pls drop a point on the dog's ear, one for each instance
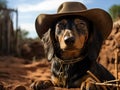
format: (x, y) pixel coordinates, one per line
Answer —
(48, 46)
(94, 45)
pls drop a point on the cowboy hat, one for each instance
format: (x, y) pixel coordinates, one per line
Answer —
(100, 18)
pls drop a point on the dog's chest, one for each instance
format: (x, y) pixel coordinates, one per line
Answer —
(67, 75)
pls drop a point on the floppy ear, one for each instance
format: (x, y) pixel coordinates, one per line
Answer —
(95, 44)
(48, 46)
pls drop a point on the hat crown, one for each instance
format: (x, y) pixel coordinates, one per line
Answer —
(68, 7)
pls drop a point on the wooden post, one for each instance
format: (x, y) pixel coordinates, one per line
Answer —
(8, 35)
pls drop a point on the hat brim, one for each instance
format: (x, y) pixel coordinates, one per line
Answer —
(100, 18)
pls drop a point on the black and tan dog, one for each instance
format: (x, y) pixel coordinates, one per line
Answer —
(72, 44)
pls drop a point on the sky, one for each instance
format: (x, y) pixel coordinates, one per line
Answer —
(28, 10)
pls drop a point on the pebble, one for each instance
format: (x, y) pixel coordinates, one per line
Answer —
(20, 87)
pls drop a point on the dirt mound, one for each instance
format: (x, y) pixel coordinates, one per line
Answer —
(110, 46)
(32, 50)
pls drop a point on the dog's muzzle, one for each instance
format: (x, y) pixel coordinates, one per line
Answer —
(69, 40)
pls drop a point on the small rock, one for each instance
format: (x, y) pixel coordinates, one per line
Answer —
(20, 87)
(1, 86)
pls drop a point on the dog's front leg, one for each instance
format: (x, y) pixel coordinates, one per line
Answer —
(42, 84)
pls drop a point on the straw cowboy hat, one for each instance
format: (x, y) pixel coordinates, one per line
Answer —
(100, 18)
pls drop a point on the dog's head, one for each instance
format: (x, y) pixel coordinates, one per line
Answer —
(71, 34)
(72, 37)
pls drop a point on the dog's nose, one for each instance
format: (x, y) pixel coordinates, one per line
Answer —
(69, 40)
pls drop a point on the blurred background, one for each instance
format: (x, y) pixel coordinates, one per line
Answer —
(17, 20)
(19, 42)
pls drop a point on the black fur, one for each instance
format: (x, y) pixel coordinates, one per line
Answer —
(75, 75)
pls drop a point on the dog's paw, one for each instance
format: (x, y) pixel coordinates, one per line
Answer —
(39, 85)
(88, 85)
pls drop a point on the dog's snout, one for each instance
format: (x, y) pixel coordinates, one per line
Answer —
(69, 40)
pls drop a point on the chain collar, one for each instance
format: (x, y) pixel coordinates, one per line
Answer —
(70, 61)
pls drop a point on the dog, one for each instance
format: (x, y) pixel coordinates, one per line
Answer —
(71, 40)
(72, 43)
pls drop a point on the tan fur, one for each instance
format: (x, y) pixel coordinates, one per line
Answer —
(79, 39)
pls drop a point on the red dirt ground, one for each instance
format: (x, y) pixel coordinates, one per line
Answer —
(18, 73)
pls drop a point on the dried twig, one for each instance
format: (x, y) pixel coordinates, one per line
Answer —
(93, 76)
(106, 84)
(111, 81)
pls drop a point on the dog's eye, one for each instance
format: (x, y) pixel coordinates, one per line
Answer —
(79, 23)
(81, 26)
(63, 21)
(61, 26)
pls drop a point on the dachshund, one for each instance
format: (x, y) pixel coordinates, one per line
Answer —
(72, 45)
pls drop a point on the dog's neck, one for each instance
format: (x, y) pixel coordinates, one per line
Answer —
(70, 54)
(73, 54)
(71, 59)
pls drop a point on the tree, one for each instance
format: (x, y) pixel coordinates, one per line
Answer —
(3, 3)
(115, 11)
